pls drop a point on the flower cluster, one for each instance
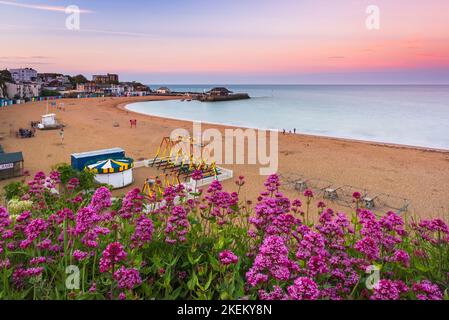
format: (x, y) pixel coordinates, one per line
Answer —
(167, 245)
(228, 257)
(113, 254)
(177, 226)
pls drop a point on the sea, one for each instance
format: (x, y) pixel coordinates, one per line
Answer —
(412, 115)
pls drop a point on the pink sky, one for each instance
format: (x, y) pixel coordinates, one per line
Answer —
(256, 38)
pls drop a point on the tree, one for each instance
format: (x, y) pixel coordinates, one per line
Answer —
(77, 80)
(50, 93)
(5, 77)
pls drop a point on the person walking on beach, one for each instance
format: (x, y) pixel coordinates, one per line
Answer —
(61, 134)
(294, 130)
(283, 132)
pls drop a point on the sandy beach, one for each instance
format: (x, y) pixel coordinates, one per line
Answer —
(399, 172)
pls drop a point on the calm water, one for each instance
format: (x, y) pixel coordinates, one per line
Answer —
(409, 115)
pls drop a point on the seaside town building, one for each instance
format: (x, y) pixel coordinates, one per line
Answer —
(56, 85)
(23, 74)
(47, 78)
(106, 79)
(163, 90)
(88, 87)
(23, 90)
(28, 83)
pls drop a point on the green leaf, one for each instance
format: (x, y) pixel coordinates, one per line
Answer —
(193, 281)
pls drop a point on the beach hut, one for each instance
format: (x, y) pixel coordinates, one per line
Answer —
(79, 160)
(115, 172)
(11, 165)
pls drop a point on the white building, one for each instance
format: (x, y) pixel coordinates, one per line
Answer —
(163, 90)
(117, 89)
(23, 90)
(23, 74)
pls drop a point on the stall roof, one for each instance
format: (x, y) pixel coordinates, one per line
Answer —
(97, 153)
(11, 157)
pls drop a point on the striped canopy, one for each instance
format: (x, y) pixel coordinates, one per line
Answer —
(111, 166)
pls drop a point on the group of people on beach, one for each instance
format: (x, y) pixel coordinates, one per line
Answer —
(290, 131)
(133, 123)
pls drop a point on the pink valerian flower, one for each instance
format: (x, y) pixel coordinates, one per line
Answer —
(86, 219)
(369, 247)
(100, 200)
(321, 205)
(240, 182)
(7, 234)
(303, 289)
(5, 264)
(272, 183)
(389, 290)
(37, 261)
(370, 226)
(143, 232)
(197, 175)
(426, 290)
(317, 265)
(357, 195)
(55, 177)
(392, 222)
(72, 184)
(308, 193)
(5, 221)
(272, 215)
(91, 237)
(434, 231)
(132, 204)
(182, 275)
(93, 288)
(80, 255)
(310, 243)
(296, 206)
(23, 217)
(227, 257)
(113, 254)
(277, 294)
(38, 185)
(271, 262)
(127, 278)
(20, 274)
(34, 229)
(177, 226)
(122, 296)
(401, 257)
(63, 215)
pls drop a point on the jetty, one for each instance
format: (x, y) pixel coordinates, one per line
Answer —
(214, 95)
